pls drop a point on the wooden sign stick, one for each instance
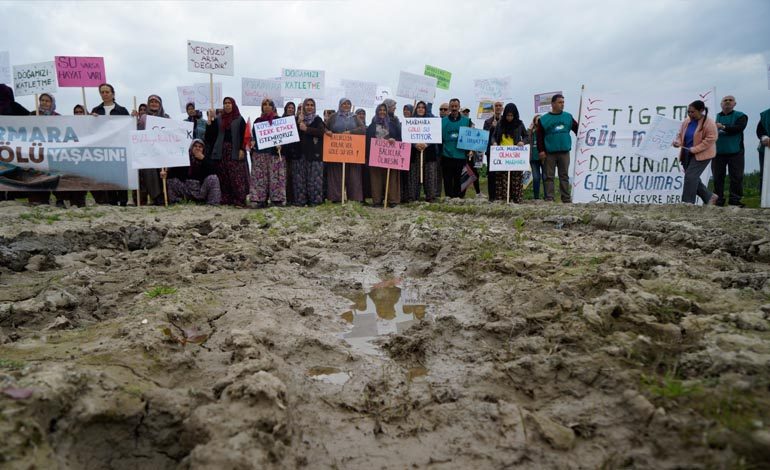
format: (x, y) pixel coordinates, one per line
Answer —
(342, 193)
(37, 104)
(421, 168)
(387, 184)
(165, 188)
(508, 197)
(83, 90)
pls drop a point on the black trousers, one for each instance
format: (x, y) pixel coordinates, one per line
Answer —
(733, 164)
(452, 169)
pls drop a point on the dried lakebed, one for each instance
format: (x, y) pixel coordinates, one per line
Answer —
(460, 335)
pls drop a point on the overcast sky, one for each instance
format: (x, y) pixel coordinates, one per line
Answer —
(644, 47)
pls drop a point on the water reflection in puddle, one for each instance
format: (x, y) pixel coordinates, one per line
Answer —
(391, 306)
(330, 375)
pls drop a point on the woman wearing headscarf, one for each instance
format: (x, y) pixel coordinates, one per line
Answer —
(509, 131)
(78, 110)
(149, 179)
(197, 182)
(46, 106)
(308, 167)
(225, 146)
(430, 182)
(344, 122)
(268, 172)
(196, 117)
(289, 152)
(383, 127)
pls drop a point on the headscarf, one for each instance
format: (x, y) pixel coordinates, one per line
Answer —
(309, 118)
(410, 108)
(196, 116)
(286, 106)
(194, 162)
(271, 115)
(379, 120)
(389, 103)
(428, 114)
(160, 112)
(341, 114)
(79, 106)
(49, 112)
(508, 128)
(227, 118)
(6, 99)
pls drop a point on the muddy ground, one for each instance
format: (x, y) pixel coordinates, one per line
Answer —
(459, 335)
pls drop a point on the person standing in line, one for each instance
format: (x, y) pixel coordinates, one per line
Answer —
(538, 172)
(489, 125)
(408, 110)
(730, 152)
(46, 107)
(289, 152)
(763, 134)
(308, 167)
(344, 122)
(150, 184)
(697, 139)
(383, 127)
(510, 131)
(78, 110)
(554, 144)
(108, 107)
(268, 172)
(225, 146)
(430, 184)
(196, 117)
(453, 159)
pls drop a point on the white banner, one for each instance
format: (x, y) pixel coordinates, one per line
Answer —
(509, 158)
(184, 128)
(304, 83)
(205, 57)
(30, 79)
(613, 128)
(158, 148)
(283, 131)
(492, 88)
(186, 95)
(5, 68)
(416, 87)
(361, 94)
(203, 93)
(68, 153)
(421, 130)
(254, 90)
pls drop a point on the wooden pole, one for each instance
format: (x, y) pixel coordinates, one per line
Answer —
(138, 188)
(343, 193)
(387, 184)
(165, 188)
(421, 167)
(508, 196)
(135, 108)
(37, 104)
(211, 90)
(83, 91)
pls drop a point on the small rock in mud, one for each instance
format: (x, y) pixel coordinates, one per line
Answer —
(558, 436)
(139, 238)
(44, 262)
(59, 323)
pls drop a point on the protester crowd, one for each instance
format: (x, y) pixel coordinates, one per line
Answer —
(295, 174)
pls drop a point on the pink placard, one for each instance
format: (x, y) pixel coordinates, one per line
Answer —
(395, 156)
(80, 71)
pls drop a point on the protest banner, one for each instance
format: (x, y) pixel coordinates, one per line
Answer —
(470, 138)
(186, 95)
(203, 96)
(80, 71)
(205, 57)
(184, 128)
(492, 88)
(344, 148)
(656, 144)
(361, 94)
(418, 130)
(65, 153)
(509, 158)
(281, 132)
(254, 90)
(442, 77)
(383, 93)
(33, 79)
(394, 156)
(305, 83)
(416, 87)
(158, 148)
(613, 128)
(543, 101)
(485, 110)
(5, 67)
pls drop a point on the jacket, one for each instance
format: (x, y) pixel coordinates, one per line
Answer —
(704, 140)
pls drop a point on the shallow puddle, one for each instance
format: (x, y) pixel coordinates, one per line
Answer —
(390, 306)
(330, 375)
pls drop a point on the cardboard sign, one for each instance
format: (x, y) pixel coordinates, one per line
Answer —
(203, 98)
(509, 158)
(656, 145)
(470, 138)
(283, 131)
(205, 57)
(492, 88)
(184, 128)
(383, 93)
(361, 94)
(306, 83)
(543, 101)
(485, 110)
(416, 87)
(158, 148)
(80, 71)
(418, 130)
(384, 154)
(5, 68)
(254, 90)
(442, 77)
(345, 148)
(34, 78)
(186, 95)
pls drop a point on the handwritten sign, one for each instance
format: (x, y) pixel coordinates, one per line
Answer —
(485, 110)
(299, 82)
(281, 132)
(656, 145)
(203, 98)
(442, 77)
(34, 78)
(80, 71)
(543, 101)
(254, 90)
(383, 93)
(157, 148)
(422, 130)
(205, 57)
(186, 95)
(416, 87)
(361, 94)
(5, 67)
(384, 154)
(184, 128)
(492, 88)
(345, 148)
(474, 139)
(509, 158)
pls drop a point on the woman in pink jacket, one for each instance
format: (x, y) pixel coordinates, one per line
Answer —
(698, 141)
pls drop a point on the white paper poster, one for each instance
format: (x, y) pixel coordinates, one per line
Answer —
(205, 57)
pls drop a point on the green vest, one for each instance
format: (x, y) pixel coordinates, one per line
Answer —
(557, 128)
(450, 132)
(727, 144)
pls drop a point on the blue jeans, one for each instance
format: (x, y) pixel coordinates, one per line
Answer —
(538, 176)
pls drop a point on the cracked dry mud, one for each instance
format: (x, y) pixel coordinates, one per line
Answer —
(461, 335)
